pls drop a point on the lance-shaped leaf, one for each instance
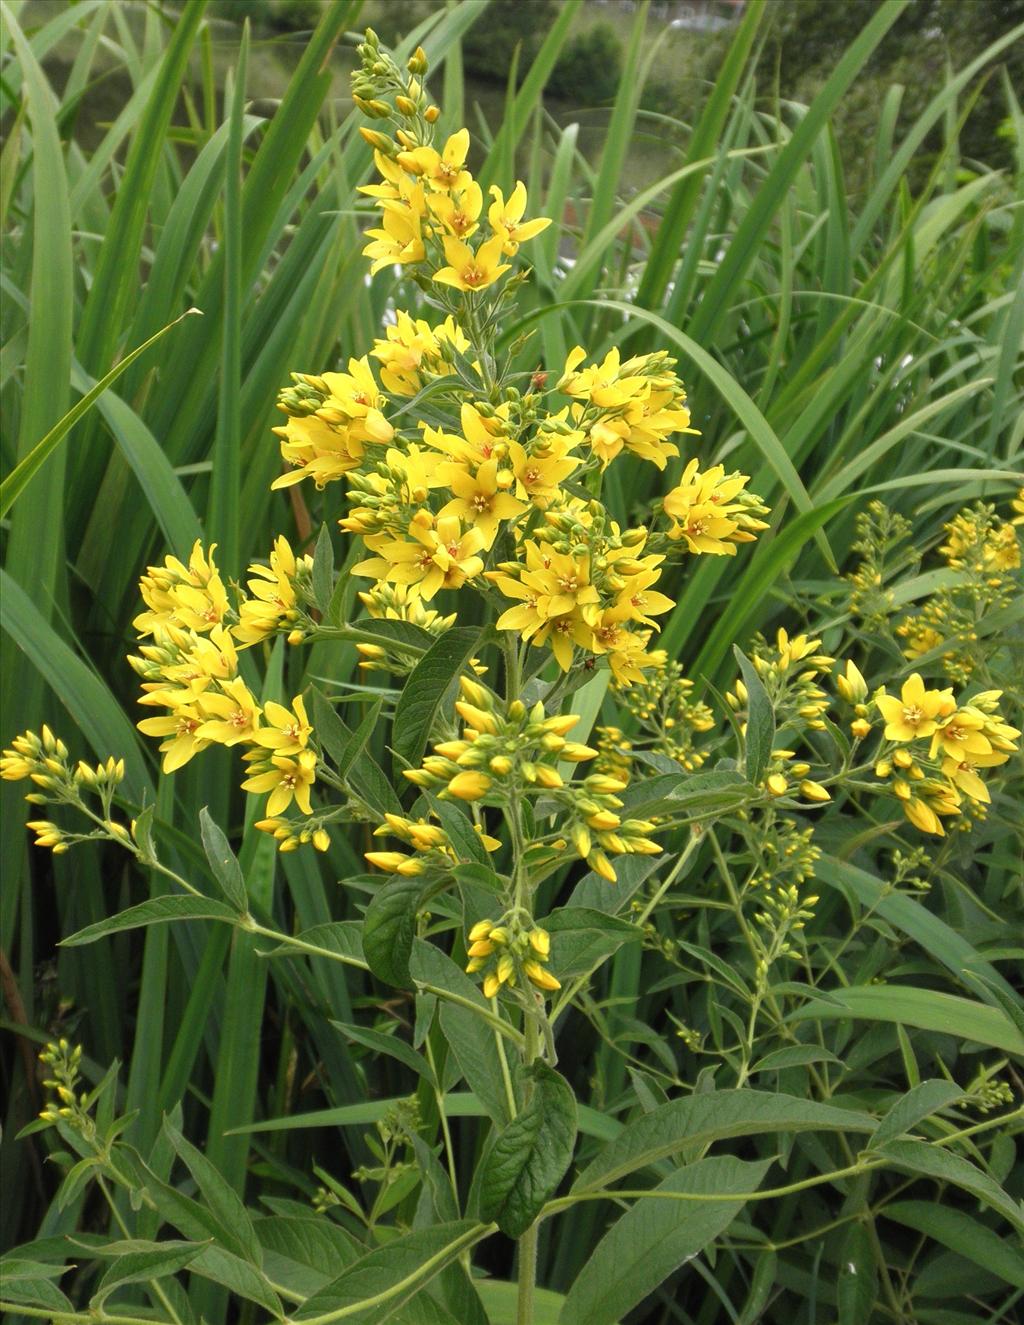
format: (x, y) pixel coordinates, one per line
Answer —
(657, 1235)
(760, 733)
(389, 929)
(530, 1157)
(431, 686)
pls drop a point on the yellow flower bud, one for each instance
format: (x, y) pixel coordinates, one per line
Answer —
(386, 860)
(777, 784)
(469, 786)
(813, 791)
(852, 686)
(576, 753)
(601, 865)
(542, 978)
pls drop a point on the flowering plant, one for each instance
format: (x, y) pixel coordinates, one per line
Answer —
(544, 750)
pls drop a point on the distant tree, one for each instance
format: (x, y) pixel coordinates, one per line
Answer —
(490, 43)
(808, 38)
(589, 68)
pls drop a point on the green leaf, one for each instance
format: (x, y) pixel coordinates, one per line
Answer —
(759, 737)
(683, 792)
(926, 1160)
(156, 911)
(464, 838)
(392, 1274)
(382, 1043)
(431, 688)
(698, 1120)
(303, 1255)
(857, 1279)
(656, 1236)
(389, 928)
(238, 1277)
(581, 939)
(224, 1204)
(963, 1234)
(927, 1098)
(347, 749)
(323, 571)
(795, 1055)
(937, 938)
(223, 862)
(341, 939)
(925, 1008)
(138, 1260)
(25, 471)
(473, 1041)
(531, 1155)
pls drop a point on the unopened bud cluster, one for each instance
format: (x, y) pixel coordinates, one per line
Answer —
(509, 951)
(383, 91)
(44, 759)
(68, 1105)
(508, 751)
(431, 846)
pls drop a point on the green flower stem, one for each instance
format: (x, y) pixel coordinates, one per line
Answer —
(254, 927)
(152, 1284)
(770, 1193)
(78, 1317)
(527, 1247)
(420, 1275)
(356, 636)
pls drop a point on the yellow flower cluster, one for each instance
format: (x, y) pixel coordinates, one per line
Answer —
(581, 582)
(455, 475)
(952, 739)
(44, 760)
(191, 669)
(431, 205)
(711, 512)
(508, 951)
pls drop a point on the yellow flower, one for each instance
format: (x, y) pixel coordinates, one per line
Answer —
(506, 218)
(441, 170)
(961, 735)
(443, 556)
(540, 475)
(230, 716)
(288, 730)
(458, 212)
(317, 450)
(179, 730)
(479, 500)
(398, 243)
(411, 348)
(962, 772)
(467, 270)
(288, 779)
(916, 713)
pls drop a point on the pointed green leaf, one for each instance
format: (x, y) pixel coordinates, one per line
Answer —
(531, 1155)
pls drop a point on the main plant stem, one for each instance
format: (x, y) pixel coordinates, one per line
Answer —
(527, 1255)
